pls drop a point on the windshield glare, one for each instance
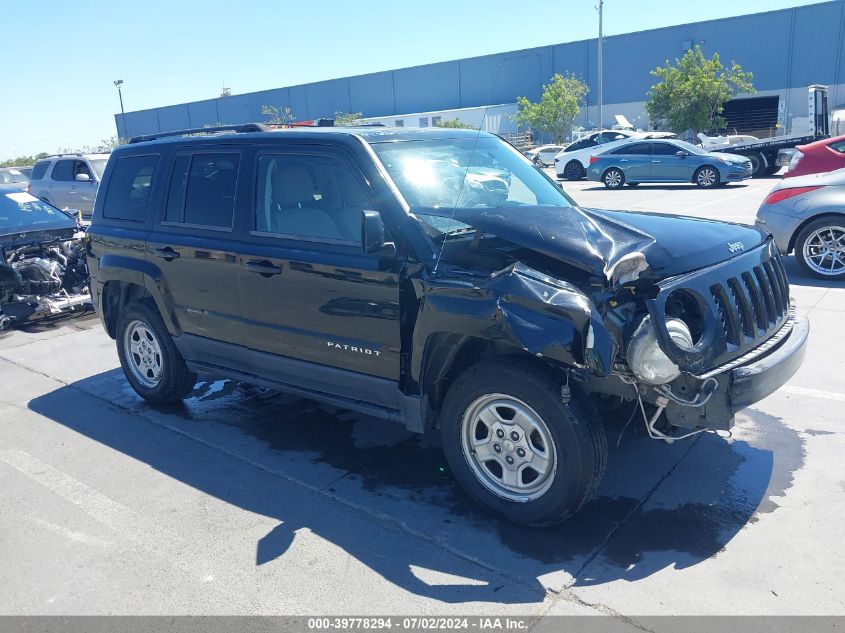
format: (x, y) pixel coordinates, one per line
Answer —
(463, 173)
(99, 165)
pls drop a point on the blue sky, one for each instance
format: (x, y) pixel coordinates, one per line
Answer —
(61, 57)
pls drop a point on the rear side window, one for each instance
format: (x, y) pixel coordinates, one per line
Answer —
(40, 169)
(130, 185)
(202, 190)
(63, 170)
(838, 146)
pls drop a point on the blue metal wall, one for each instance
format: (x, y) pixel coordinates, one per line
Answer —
(784, 49)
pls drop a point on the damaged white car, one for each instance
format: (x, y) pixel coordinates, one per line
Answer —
(42, 260)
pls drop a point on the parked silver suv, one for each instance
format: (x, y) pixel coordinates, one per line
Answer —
(69, 181)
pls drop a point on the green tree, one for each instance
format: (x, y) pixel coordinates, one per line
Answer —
(455, 123)
(23, 161)
(347, 118)
(278, 114)
(691, 93)
(559, 104)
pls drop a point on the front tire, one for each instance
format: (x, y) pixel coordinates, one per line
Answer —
(573, 170)
(706, 177)
(516, 449)
(820, 248)
(613, 178)
(151, 363)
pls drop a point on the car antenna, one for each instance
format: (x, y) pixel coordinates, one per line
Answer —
(469, 162)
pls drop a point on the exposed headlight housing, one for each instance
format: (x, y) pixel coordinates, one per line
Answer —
(645, 358)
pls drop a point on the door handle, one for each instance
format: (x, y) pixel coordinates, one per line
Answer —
(623, 160)
(657, 161)
(166, 253)
(263, 268)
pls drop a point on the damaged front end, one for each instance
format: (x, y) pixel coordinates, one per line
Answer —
(43, 270)
(628, 305)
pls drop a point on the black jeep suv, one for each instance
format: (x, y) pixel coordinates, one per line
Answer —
(438, 279)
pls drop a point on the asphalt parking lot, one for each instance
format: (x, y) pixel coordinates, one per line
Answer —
(245, 501)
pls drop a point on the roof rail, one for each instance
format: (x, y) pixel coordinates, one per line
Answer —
(241, 128)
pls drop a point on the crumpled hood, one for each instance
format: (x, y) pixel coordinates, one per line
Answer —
(596, 240)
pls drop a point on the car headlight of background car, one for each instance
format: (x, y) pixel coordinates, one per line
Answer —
(645, 358)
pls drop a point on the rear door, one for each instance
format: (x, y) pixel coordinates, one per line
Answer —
(60, 181)
(308, 291)
(635, 160)
(193, 242)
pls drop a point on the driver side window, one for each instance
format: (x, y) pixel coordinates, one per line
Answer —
(310, 197)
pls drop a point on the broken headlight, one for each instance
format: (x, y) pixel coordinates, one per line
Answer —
(645, 358)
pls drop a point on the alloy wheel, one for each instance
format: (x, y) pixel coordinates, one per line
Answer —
(707, 177)
(824, 251)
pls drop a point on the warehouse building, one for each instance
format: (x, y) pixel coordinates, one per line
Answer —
(785, 50)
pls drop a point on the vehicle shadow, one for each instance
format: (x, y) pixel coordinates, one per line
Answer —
(393, 473)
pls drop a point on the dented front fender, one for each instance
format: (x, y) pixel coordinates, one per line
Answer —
(518, 307)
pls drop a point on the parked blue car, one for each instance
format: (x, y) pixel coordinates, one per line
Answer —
(666, 161)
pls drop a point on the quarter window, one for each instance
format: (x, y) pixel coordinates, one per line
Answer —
(423, 121)
(128, 195)
(40, 169)
(309, 196)
(202, 190)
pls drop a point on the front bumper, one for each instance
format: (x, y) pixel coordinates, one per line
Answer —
(753, 382)
(742, 386)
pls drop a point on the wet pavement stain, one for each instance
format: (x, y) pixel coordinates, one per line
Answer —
(739, 481)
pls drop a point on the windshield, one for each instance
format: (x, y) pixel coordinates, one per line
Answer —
(99, 165)
(437, 176)
(19, 210)
(689, 147)
(9, 176)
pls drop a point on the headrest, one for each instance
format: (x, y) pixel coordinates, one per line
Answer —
(292, 185)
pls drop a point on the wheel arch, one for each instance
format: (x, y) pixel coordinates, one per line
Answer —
(704, 166)
(827, 214)
(448, 355)
(116, 295)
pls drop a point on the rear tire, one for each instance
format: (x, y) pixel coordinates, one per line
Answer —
(706, 177)
(825, 235)
(574, 170)
(151, 363)
(613, 178)
(515, 448)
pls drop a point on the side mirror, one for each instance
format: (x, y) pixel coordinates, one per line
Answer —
(82, 178)
(373, 235)
(681, 154)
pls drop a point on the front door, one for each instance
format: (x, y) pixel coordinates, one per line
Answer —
(666, 166)
(308, 291)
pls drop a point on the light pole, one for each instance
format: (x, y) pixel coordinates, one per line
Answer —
(117, 84)
(600, 9)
